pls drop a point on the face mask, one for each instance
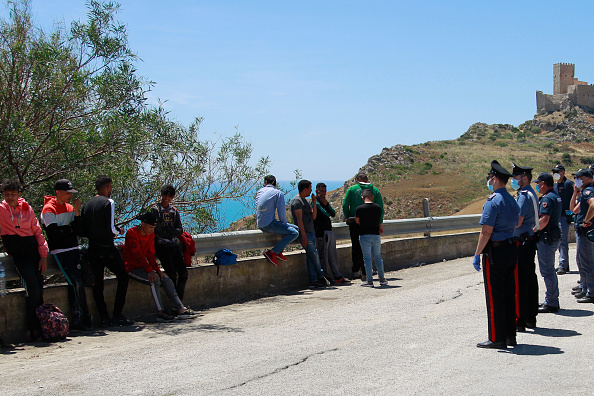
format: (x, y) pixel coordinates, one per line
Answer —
(489, 186)
(537, 189)
(578, 183)
(515, 184)
(556, 176)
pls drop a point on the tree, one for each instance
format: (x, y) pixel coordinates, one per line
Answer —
(72, 106)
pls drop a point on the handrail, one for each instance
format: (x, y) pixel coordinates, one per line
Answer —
(208, 244)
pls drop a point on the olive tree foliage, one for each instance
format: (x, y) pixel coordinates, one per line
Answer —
(72, 106)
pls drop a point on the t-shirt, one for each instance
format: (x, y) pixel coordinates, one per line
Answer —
(550, 204)
(306, 213)
(370, 215)
(500, 212)
(323, 221)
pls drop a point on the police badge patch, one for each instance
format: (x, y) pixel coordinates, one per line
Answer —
(587, 192)
(545, 204)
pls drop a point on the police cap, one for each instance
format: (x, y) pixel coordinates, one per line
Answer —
(558, 168)
(499, 170)
(545, 177)
(520, 170)
(583, 172)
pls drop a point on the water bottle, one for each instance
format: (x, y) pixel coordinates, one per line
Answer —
(2, 280)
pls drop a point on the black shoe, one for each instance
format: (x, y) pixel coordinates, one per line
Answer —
(561, 271)
(576, 288)
(316, 285)
(492, 345)
(521, 329)
(121, 321)
(547, 309)
(510, 341)
(580, 295)
(586, 299)
(577, 291)
(531, 325)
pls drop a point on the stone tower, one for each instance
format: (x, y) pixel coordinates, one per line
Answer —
(563, 76)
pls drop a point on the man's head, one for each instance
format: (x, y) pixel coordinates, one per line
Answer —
(367, 195)
(558, 172)
(148, 222)
(583, 177)
(167, 194)
(270, 179)
(362, 177)
(522, 174)
(498, 174)
(544, 182)
(104, 185)
(321, 190)
(11, 189)
(304, 186)
(64, 191)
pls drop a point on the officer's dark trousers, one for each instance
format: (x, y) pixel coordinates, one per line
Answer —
(356, 252)
(499, 264)
(527, 284)
(108, 256)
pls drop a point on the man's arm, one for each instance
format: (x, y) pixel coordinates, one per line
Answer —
(589, 213)
(543, 221)
(281, 208)
(377, 198)
(314, 206)
(299, 216)
(573, 204)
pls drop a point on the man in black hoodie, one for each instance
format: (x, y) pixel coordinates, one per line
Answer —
(98, 222)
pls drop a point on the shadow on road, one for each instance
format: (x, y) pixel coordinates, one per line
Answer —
(575, 313)
(533, 350)
(555, 332)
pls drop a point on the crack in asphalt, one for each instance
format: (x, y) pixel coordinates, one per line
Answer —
(278, 370)
(442, 300)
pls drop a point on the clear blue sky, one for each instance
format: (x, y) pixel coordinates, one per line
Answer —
(323, 85)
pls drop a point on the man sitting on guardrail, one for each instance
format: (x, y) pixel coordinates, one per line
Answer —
(139, 259)
(24, 241)
(270, 202)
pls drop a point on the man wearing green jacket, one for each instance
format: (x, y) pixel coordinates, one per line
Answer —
(352, 199)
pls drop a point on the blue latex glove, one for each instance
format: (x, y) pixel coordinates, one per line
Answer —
(477, 262)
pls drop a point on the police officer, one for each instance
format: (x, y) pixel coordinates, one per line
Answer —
(583, 205)
(564, 189)
(549, 239)
(496, 242)
(524, 235)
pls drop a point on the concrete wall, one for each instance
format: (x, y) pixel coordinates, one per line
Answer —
(248, 279)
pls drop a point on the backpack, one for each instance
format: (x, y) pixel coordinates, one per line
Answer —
(224, 257)
(54, 324)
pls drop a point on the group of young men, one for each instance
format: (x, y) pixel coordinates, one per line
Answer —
(64, 221)
(312, 223)
(515, 231)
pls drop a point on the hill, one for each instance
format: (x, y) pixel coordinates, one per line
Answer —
(451, 173)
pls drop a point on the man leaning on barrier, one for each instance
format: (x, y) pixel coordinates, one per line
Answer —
(500, 253)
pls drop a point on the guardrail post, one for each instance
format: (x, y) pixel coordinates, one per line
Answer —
(426, 213)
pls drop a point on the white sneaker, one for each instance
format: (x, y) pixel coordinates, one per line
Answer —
(367, 284)
(383, 282)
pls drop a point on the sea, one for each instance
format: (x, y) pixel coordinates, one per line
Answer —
(230, 210)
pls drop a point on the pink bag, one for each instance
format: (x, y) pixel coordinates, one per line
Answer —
(54, 324)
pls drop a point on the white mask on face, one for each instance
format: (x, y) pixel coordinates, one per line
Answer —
(578, 183)
(556, 176)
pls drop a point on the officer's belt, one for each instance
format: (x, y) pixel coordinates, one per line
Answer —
(501, 243)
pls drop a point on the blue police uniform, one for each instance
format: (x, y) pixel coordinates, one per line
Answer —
(526, 279)
(550, 239)
(585, 248)
(499, 263)
(564, 188)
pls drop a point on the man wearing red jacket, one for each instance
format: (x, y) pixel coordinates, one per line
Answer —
(24, 241)
(141, 265)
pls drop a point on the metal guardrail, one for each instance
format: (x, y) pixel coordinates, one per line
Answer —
(208, 244)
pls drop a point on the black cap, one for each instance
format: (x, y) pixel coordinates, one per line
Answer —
(147, 218)
(520, 170)
(558, 168)
(64, 185)
(497, 169)
(545, 177)
(583, 172)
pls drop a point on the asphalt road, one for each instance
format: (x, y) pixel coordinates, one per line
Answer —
(416, 337)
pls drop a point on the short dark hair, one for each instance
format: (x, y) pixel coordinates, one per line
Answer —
(101, 181)
(168, 189)
(303, 184)
(361, 176)
(11, 185)
(320, 185)
(367, 193)
(270, 179)
(548, 183)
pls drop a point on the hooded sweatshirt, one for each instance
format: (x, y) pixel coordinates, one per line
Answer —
(60, 225)
(18, 223)
(352, 199)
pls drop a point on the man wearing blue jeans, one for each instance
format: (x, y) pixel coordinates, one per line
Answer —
(269, 202)
(369, 217)
(304, 215)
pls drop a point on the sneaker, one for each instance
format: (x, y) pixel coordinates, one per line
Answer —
(187, 314)
(561, 271)
(342, 281)
(316, 285)
(322, 282)
(383, 282)
(281, 256)
(374, 272)
(271, 256)
(367, 284)
(121, 321)
(164, 317)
